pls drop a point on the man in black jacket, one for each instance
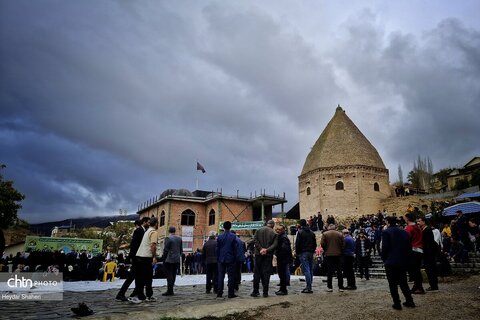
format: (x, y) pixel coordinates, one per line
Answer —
(209, 255)
(140, 227)
(396, 254)
(305, 246)
(284, 258)
(430, 250)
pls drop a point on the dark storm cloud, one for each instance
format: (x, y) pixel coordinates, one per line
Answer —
(105, 104)
(429, 85)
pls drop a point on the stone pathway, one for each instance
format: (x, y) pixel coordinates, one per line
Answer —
(188, 301)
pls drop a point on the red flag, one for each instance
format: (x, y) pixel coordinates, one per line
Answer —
(200, 167)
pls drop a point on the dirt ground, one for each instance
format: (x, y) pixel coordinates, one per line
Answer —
(458, 298)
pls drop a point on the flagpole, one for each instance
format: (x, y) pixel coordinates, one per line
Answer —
(197, 176)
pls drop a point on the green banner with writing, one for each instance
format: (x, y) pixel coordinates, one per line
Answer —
(244, 225)
(34, 243)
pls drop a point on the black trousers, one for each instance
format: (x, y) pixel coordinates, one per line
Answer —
(334, 265)
(144, 277)
(212, 277)
(363, 267)
(282, 274)
(414, 271)
(431, 270)
(262, 272)
(397, 276)
(128, 281)
(238, 274)
(171, 269)
(348, 272)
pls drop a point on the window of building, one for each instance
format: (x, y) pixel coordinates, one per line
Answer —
(308, 191)
(376, 187)
(339, 185)
(211, 217)
(162, 218)
(188, 218)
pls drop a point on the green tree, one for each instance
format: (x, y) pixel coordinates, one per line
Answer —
(10, 200)
(119, 233)
(442, 175)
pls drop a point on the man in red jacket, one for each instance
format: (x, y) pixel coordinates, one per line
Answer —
(415, 237)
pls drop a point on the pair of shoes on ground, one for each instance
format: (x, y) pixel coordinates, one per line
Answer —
(398, 306)
(134, 300)
(432, 289)
(82, 310)
(168, 293)
(418, 291)
(257, 294)
(231, 296)
(350, 288)
(306, 290)
(121, 298)
(281, 293)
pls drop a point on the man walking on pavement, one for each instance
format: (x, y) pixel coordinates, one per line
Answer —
(305, 246)
(209, 253)
(284, 258)
(265, 240)
(415, 236)
(333, 245)
(348, 260)
(430, 251)
(147, 258)
(396, 254)
(140, 227)
(172, 253)
(226, 259)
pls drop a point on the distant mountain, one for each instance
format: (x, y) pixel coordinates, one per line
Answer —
(45, 229)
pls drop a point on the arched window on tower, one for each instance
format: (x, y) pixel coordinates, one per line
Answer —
(339, 185)
(211, 217)
(162, 218)
(308, 191)
(188, 218)
(376, 187)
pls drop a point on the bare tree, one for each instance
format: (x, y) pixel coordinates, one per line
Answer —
(400, 174)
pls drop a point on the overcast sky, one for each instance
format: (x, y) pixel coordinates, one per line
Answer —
(105, 104)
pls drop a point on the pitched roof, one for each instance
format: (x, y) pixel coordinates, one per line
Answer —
(341, 143)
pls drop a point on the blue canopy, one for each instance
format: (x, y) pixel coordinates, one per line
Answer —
(466, 207)
(469, 195)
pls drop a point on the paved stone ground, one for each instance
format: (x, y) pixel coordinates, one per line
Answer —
(188, 301)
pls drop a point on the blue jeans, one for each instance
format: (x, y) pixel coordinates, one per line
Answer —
(306, 262)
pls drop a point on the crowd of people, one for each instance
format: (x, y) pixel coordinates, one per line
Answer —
(405, 244)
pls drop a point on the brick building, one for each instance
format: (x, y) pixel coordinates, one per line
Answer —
(195, 214)
(343, 174)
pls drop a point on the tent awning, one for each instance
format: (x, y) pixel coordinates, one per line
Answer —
(466, 207)
(468, 195)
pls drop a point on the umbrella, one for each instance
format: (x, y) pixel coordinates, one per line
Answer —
(466, 207)
(469, 195)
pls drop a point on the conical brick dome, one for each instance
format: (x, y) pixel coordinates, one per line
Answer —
(342, 144)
